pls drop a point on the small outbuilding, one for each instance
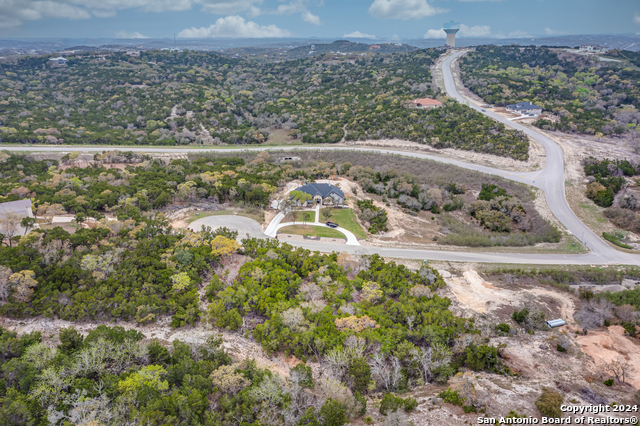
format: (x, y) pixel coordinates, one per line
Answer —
(556, 323)
(323, 193)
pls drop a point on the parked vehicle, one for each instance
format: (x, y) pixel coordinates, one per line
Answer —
(332, 225)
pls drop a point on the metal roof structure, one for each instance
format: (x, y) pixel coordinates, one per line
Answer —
(322, 189)
(556, 323)
(18, 207)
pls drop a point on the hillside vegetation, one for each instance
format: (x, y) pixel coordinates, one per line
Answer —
(580, 94)
(181, 98)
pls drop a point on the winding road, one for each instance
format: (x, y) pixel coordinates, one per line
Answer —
(550, 180)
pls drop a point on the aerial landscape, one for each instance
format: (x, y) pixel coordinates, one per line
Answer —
(323, 213)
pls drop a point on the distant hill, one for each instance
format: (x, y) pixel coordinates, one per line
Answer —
(345, 46)
(308, 50)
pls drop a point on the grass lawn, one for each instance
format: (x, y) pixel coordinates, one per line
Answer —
(346, 218)
(199, 215)
(312, 231)
(300, 217)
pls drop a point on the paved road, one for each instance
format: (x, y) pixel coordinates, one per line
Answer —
(550, 180)
(246, 227)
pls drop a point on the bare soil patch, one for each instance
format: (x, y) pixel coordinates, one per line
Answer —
(606, 345)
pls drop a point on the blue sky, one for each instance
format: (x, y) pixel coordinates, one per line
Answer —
(380, 19)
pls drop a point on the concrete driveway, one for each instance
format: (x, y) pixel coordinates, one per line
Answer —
(247, 228)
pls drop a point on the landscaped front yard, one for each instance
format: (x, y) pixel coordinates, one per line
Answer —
(346, 218)
(312, 231)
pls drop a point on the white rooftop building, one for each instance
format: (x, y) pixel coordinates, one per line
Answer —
(59, 60)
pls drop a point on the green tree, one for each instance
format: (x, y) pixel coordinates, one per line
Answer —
(70, 341)
(223, 246)
(28, 223)
(360, 371)
(23, 283)
(180, 281)
(333, 414)
(144, 383)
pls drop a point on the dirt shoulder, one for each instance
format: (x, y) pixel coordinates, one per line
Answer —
(536, 161)
(576, 149)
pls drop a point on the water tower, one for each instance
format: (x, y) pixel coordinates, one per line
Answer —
(451, 28)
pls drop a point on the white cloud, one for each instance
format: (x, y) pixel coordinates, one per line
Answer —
(291, 8)
(14, 12)
(435, 34)
(226, 7)
(310, 18)
(465, 31)
(254, 11)
(127, 34)
(358, 34)
(636, 19)
(298, 6)
(235, 26)
(549, 31)
(475, 31)
(403, 9)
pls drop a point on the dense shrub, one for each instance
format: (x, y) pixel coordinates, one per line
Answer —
(375, 216)
(391, 403)
(481, 358)
(451, 396)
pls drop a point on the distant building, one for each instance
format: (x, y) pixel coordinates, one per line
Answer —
(21, 208)
(323, 193)
(525, 108)
(291, 159)
(374, 47)
(426, 103)
(591, 48)
(451, 28)
(59, 60)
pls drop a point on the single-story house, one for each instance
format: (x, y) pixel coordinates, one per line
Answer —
(525, 108)
(59, 60)
(21, 208)
(426, 103)
(323, 193)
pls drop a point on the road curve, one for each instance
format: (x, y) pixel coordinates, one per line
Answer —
(550, 180)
